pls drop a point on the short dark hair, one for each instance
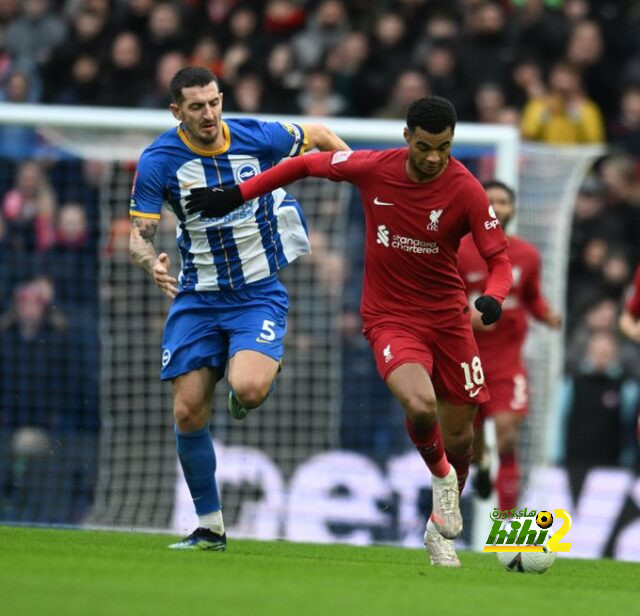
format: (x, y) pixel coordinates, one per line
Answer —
(189, 77)
(431, 113)
(498, 184)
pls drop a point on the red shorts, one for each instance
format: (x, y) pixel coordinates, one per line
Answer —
(507, 394)
(449, 355)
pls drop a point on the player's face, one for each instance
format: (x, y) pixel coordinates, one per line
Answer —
(200, 113)
(501, 203)
(428, 153)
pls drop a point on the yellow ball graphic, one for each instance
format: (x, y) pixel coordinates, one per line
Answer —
(544, 519)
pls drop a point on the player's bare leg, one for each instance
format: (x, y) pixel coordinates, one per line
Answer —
(481, 459)
(251, 375)
(456, 421)
(192, 397)
(412, 386)
(508, 476)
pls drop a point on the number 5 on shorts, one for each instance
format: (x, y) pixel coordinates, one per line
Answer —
(473, 375)
(267, 334)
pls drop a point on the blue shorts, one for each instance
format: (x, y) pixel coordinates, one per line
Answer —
(206, 328)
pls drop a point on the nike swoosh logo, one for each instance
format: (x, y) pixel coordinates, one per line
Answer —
(189, 184)
(473, 394)
(377, 201)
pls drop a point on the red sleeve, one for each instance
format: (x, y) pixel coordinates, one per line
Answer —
(488, 235)
(633, 302)
(337, 166)
(532, 296)
(500, 276)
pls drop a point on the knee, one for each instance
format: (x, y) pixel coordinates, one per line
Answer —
(421, 409)
(458, 440)
(507, 442)
(251, 393)
(188, 418)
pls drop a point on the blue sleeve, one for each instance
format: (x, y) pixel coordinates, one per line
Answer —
(148, 192)
(285, 139)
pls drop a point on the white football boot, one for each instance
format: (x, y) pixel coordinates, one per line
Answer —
(441, 551)
(446, 515)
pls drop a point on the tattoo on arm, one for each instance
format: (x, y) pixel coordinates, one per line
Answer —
(143, 231)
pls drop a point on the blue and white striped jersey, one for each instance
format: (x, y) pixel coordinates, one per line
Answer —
(252, 242)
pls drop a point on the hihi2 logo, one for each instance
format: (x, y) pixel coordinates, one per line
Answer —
(520, 537)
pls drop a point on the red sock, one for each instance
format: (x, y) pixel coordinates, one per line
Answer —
(428, 442)
(461, 463)
(508, 482)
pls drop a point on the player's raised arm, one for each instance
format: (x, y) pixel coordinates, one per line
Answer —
(337, 166)
(321, 137)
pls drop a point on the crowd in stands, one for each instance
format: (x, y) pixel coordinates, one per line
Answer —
(563, 71)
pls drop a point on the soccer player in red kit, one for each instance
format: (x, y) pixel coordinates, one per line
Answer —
(419, 201)
(630, 317)
(501, 345)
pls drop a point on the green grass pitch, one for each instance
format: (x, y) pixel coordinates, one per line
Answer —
(66, 572)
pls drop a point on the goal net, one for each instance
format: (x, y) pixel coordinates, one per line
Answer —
(326, 457)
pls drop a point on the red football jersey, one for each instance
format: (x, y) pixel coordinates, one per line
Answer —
(633, 302)
(501, 348)
(413, 231)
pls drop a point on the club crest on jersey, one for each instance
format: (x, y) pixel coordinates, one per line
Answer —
(491, 224)
(434, 220)
(388, 355)
(245, 172)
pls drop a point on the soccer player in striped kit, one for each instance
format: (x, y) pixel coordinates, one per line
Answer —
(229, 306)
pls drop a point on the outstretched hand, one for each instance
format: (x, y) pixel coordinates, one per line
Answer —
(160, 273)
(490, 309)
(214, 202)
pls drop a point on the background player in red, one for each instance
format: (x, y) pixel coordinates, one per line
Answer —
(419, 201)
(501, 346)
(630, 317)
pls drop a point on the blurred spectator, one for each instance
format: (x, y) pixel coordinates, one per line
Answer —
(29, 210)
(526, 81)
(537, 29)
(134, 16)
(243, 28)
(410, 85)
(586, 52)
(486, 53)
(445, 76)
(326, 27)
(83, 83)
(489, 102)
(89, 38)
(624, 131)
(168, 65)
(346, 62)
(34, 34)
(206, 52)
(564, 114)
(125, 82)
(282, 18)
(72, 262)
(165, 31)
(317, 98)
(620, 176)
(442, 27)
(247, 94)
(598, 409)
(283, 81)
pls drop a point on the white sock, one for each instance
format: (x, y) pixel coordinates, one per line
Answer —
(212, 521)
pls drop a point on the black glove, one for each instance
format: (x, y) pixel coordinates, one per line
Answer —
(214, 202)
(489, 307)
